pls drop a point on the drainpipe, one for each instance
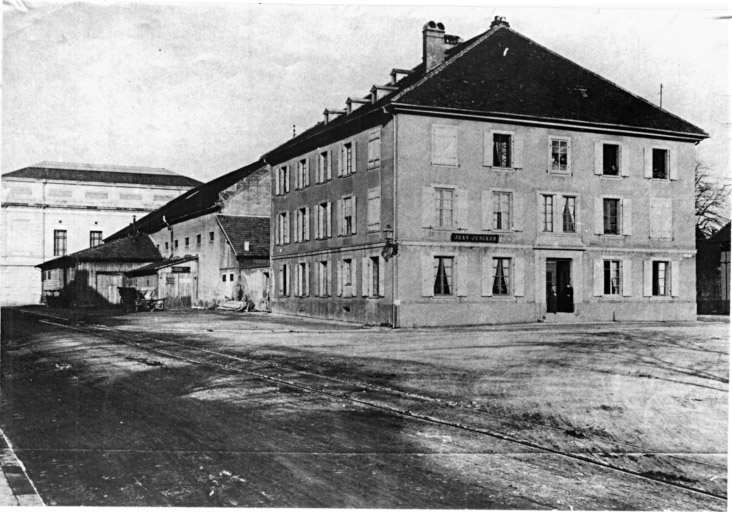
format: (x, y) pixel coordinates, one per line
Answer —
(395, 273)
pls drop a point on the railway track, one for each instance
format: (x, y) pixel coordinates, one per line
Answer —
(238, 364)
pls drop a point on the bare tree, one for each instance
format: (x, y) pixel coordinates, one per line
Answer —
(712, 195)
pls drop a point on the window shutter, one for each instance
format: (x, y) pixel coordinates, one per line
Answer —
(462, 208)
(667, 229)
(488, 149)
(382, 272)
(328, 165)
(298, 220)
(307, 279)
(339, 277)
(328, 220)
(462, 276)
(557, 213)
(627, 217)
(289, 280)
(655, 219)
(599, 282)
(354, 274)
(625, 160)
(627, 278)
(354, 222)
(339, 218)
(517, 141)
(307, 172)
(428, 280)
(675, 277)
(486, 201)
(277, 181)
(569, 157)
(518, 213)
(444, 145)
(342, 152)
(428, 206)
(353, 157)
(647, 278)
(599, 227)
(365, 271)
(329, 280)
(598, 158)
(673, 171)
(518, 277)
(287, 227)
(647, 163)
(486, 279)
(306, 220)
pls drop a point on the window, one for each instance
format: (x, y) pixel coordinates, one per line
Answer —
(348, 217)
(610, 159)
(443, 271)
(347, 272)
(375, 277)
(323, 229)
(302, 225)
(284, 281)
(231, 277)
(166, 246)
(303, 271)
(198, 240)
(547, 213)
(660, 278)
(223, 278)
(210, 237)
(283, 228)
(501, 276)
(444, 207)
(187, 242)
(502, 150)
(502, 210)
(59, 242)
(175, 244)
(444, 145)
(324, 166)
(559, 155)
(374, 148)
(612, 277)
(303, 173)
(374, 209)
(346, 164)
(323, 280)
(660, 164)
(661, 218)
(611, 216)
(569, 209)
(283, 180)
(95, 238)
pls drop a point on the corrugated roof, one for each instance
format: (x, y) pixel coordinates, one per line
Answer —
(501, 73)
(198, 201)
(145, 176)
(239, 230)
(132, 248)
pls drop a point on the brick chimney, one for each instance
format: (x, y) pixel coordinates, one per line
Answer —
(433, 45)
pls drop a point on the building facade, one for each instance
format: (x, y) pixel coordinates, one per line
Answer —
(52, 209)
(712, 272)
(495, 182)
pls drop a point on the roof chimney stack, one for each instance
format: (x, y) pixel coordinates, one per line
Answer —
(433, 45)
(499, 21)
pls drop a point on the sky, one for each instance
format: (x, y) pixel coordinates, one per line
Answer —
(206, 88)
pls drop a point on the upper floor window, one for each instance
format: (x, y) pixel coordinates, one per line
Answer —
(303, 173)
(502, 156)
(444, 145)
(322, 221)
(324, 167)
(198, 240)
(347, 163)
(374, 209)
(374, 149)
(660, 164)
(661, 218)
(210, 236)
(283, 228)
(569, 213)
(444, 207)
(187, 242)
(502, 210)
(547, 213)
(611, 216)
(95, 238)
(559, 155)
(282, 181)
(348, 216)
(59, 242)
(610, 159)
(302, 225)
(443, 273)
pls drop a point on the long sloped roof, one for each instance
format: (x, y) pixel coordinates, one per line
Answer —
(198, 201)
(239, 230)
(149, 176)
(501, 73)
(138, 248)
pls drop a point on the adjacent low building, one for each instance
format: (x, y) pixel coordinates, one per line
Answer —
(496, 181)
(53, 209)
(712, 272)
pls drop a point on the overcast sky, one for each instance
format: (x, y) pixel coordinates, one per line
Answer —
(203, 89)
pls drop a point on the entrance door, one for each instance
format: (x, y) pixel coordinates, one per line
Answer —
(559, 291)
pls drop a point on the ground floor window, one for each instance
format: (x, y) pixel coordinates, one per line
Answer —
(375, 291)
(284, 281)
(501, 276)
(323, 280)
(660, 278)
(303, 279)
(612, 277)
(443, 270)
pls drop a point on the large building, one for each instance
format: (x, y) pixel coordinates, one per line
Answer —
(53, 209)
(497, 181)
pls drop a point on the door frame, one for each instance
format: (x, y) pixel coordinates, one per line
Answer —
(577, 272)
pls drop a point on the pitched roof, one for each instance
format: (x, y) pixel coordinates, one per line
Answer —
(196, 202)
(103, 174)
(128, 249)
(152, 268)
(239, 230)
(503, 74)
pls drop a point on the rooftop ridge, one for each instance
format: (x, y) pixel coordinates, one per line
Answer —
(102, 167)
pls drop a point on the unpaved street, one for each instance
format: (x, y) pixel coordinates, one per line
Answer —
(211, 409)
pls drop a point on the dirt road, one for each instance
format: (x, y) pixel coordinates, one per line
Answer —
(208, 412)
